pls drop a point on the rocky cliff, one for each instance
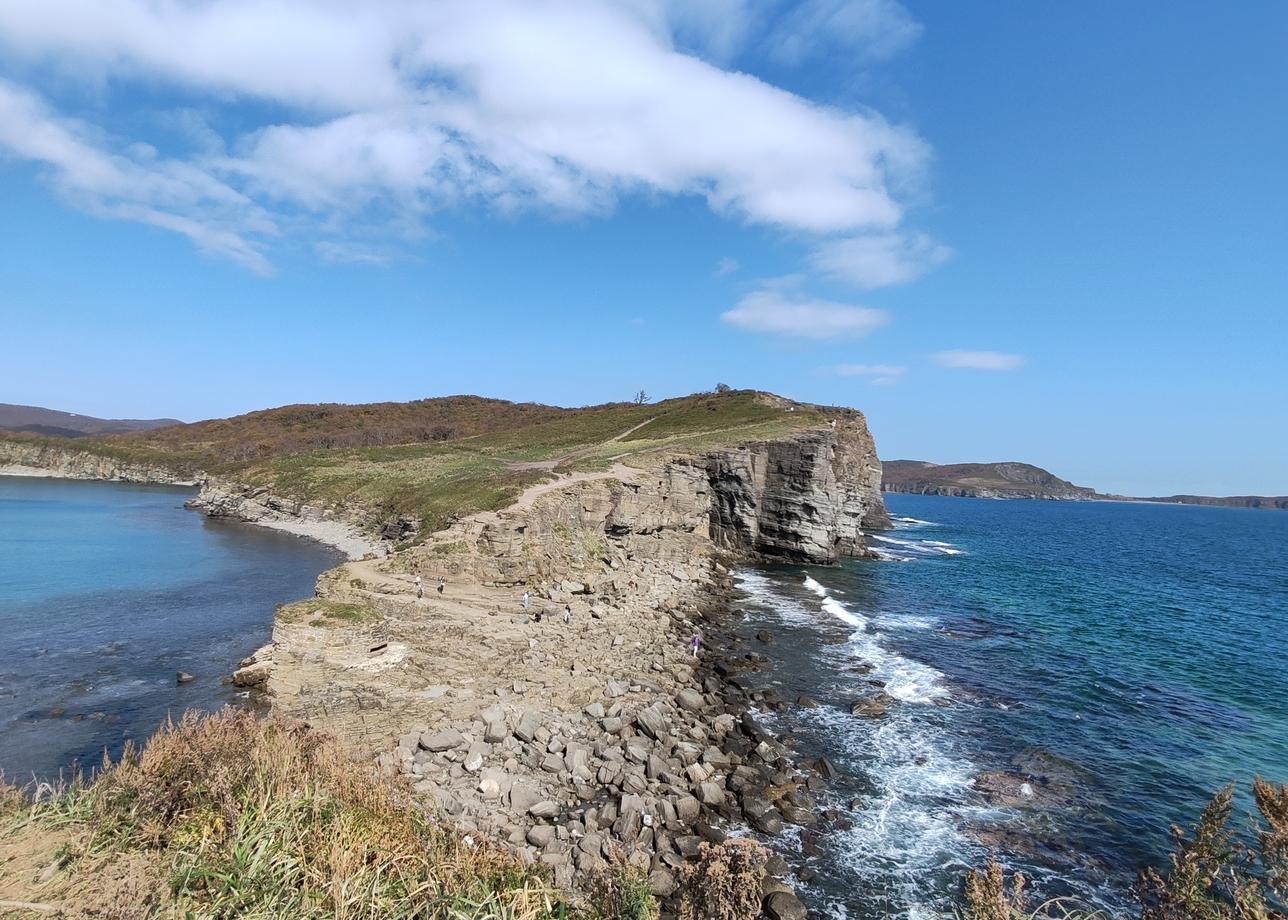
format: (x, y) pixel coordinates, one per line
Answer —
(38, 458)
(807, 498)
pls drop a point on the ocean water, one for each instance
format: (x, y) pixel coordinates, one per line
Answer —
(108, 589)
(1067, 679)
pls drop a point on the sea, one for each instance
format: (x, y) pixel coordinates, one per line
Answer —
(107, 590)
(1062, 680)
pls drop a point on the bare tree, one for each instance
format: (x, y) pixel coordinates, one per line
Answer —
(641, 398)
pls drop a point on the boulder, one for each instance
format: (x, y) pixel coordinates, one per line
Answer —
(783, 905)
(872, 707)
(441, 741)
(651, 721)
(183, 677)
(691, 700)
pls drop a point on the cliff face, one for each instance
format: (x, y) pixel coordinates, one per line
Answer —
(805, 499)
(48, 460)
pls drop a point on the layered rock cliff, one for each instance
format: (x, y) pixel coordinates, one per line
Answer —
(38, 458)
(806, 498)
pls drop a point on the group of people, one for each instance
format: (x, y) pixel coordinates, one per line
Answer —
(537, 617)
(420, 586)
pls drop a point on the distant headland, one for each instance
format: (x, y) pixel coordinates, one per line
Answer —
(1010, 479)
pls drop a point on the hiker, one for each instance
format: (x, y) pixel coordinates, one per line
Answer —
(567, 614)
(441, 585)
(536, 617)
(526, 600)
(695, 644)
(833, 424)
(420, 588)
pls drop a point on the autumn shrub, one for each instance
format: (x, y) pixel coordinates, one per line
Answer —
(725, 883)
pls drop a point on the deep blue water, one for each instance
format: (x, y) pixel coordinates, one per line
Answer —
(108, 589)
(1124, 660)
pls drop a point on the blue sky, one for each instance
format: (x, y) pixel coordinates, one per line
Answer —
(1047, 232)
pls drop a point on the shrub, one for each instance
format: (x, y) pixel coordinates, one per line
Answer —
(725, 883)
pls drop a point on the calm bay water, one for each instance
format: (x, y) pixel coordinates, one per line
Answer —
(108, 589)
(1122, 660)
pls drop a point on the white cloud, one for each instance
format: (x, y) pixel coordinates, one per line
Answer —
(782, 312)
(979, 360)
(726, 266)
(405, 108)
(881, 374)
(879, 260)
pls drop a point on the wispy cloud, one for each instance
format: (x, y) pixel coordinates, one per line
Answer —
(726, 266)
(783, 312)
(134, 184)
(979, 360)
(879, 259)
(871, 28)
(880, 374)
(342, 252)
(403, 110)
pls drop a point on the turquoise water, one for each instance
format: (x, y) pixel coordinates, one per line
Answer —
(1123, 660)
(108, 589)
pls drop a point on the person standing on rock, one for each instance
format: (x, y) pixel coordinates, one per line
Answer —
(441, 585)
(420, 588)
(526, 600)
(695, 644)
(567, 614)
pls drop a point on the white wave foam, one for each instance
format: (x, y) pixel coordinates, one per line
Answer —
(903, 523)
(922, 547)
(815, 587)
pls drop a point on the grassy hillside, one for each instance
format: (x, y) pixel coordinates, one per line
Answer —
(436, 459)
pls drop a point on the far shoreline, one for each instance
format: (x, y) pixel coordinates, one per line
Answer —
(345, 538)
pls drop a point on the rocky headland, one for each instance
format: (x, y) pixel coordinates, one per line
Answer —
(578, 727)
(980, 480)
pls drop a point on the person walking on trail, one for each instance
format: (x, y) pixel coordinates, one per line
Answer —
(441, 585)
(526, 600)
(695, 643)
(567, 614)
(420, 588)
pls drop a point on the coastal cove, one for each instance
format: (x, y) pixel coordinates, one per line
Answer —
(107, 589)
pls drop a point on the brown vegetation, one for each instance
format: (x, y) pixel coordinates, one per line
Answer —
(235, 816)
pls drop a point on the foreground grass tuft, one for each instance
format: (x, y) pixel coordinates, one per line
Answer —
(240, 816)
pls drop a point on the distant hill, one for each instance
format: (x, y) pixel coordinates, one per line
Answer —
(1268, 502)
(58, 424)
(979, 480)
(1024, 480)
